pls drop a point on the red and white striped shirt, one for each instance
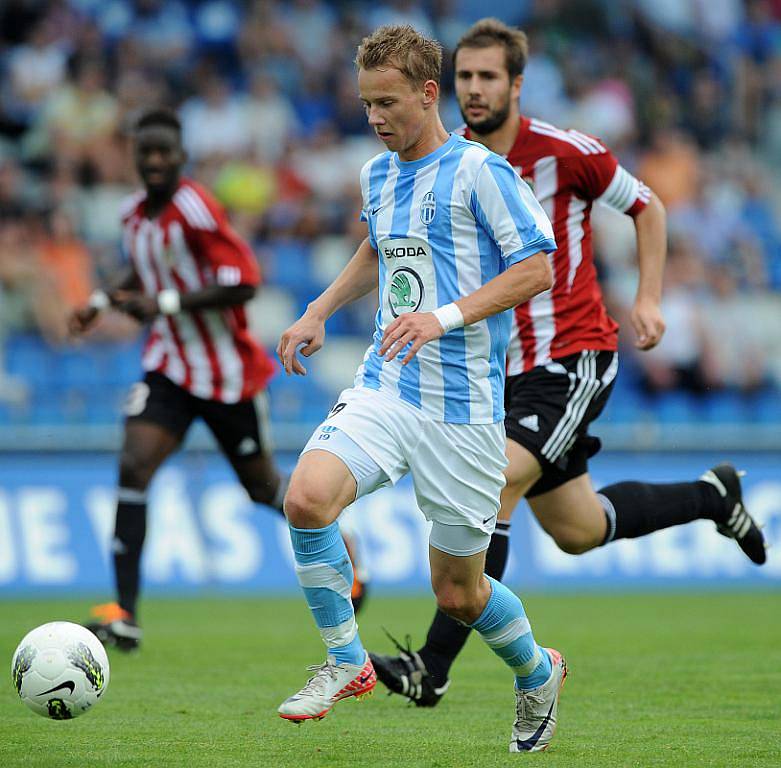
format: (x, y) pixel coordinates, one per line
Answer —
(190, 246)
(567, 172)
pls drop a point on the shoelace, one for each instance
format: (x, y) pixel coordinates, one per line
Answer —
(317, 684)
(407, 655)
(399, 647)
(523, 702)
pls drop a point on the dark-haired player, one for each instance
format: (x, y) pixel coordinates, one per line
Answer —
(562, 358)
(190, 276)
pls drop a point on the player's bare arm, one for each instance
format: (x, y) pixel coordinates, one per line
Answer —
(646, 315)
(83, 318)
(144, 308)
(517, 285)
(357, 279)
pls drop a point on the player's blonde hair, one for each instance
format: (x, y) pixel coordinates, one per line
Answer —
(488, 32)
(401, 46)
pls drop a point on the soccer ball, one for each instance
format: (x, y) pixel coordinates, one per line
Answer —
(60, 670)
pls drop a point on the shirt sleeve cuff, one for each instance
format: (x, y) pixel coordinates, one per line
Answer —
(543, 244)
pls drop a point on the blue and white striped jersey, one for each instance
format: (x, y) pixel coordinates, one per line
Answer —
(443, 226)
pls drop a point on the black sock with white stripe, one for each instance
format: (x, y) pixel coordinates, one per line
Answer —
(636, 509)
(446, 637)
(129, 534)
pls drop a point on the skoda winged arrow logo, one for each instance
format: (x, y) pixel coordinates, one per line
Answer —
(405, 293)
(401, 290)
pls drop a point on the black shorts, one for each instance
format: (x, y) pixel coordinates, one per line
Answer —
(240, 428)
(549, 409)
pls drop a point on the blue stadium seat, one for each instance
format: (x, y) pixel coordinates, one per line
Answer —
(29, 358)
(77, 368)
(678, 408)
(626, 406)
(297, 398)
(725, 408)
(765, 407)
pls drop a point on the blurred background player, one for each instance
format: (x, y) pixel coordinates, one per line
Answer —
(190, 276)
(562, 358)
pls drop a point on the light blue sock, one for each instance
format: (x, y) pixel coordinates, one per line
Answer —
(325, 573)
(504, 626)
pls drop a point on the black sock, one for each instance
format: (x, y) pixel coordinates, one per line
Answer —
(446, 637)
(636, 509)
(129, 533)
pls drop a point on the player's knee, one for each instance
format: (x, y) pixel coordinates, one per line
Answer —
(458, 603)
(574, 541)
(515, 481)
(135, 471)
(305, 507)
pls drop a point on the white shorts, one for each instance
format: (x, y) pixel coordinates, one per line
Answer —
(457, 469)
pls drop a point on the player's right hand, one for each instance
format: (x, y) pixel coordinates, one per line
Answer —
(81, 320)
(306, 331)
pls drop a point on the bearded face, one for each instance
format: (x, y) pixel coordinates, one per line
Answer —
(483, 88)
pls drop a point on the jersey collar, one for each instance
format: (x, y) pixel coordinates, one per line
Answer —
(411, 166)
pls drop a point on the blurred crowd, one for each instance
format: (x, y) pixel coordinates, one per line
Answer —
(686, 92)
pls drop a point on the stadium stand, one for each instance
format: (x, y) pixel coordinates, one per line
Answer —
(685, 93)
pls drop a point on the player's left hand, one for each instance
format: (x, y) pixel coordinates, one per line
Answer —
(414, 328)
(648, 323)
(138, 305)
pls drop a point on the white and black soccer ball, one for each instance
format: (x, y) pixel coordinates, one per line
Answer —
(60, 670)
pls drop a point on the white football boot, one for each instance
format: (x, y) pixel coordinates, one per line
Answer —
(331, 682)
(536, 710)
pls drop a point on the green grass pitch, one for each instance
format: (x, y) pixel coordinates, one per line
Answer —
(656, 680)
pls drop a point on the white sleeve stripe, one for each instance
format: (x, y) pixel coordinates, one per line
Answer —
(555, 133)
(189, 212)
(624, 191)
(571, 137)
(593, 143)
(201, 207)
(194, 209)
(183, 204)
(588, 142)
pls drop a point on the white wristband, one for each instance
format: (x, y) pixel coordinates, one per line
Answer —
(169, 301)
(99, 300)
(449, 316)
